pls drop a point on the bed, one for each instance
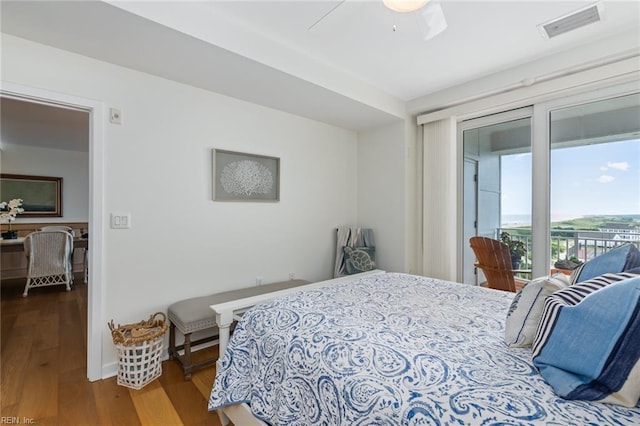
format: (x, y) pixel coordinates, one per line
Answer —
(390, 348)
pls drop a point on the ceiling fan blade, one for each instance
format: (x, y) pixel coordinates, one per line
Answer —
(431, 21)
(325, 15)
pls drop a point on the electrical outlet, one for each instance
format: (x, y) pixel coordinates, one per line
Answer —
(259, 280)
(292, 276)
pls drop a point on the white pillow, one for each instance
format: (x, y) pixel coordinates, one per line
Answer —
(526, 309)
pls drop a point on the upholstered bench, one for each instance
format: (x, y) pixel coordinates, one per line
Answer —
(192, 315)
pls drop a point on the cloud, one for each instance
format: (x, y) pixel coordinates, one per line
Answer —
(623, 165)
(606, 179)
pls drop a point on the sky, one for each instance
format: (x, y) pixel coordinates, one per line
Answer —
(599, 179)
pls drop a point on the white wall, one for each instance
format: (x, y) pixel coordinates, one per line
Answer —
(158, 169)
(71, 166)
(381, 194)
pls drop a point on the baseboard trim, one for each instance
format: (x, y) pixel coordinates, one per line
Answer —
(111, 369)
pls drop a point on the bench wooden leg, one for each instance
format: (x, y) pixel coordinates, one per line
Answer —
(187, 357)
(185, 360)
(173, 353)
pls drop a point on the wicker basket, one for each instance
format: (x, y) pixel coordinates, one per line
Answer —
(139, 350)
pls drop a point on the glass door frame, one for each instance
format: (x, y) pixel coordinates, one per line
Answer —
(541, 165)
(474, 123)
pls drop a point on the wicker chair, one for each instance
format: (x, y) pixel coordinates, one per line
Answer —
(494, 259)
(73, 235)
(48, 254)
(59, 228)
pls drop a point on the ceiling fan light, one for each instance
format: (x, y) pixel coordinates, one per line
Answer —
(404, 6)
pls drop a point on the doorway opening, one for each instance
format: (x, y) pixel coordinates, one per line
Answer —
(95, 111)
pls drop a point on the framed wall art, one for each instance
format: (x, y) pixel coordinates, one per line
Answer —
(41, 195)
(239, 176)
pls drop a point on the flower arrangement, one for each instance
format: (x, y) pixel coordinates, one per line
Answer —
(9, 211)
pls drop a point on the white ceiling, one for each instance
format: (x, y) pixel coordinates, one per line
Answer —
(43, 126)
(351, 69)
(482, 37)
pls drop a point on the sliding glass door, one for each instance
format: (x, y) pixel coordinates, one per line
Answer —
(496, 181)
(594, 176)
(562, 176)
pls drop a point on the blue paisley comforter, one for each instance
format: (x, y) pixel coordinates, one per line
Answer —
(391, 349)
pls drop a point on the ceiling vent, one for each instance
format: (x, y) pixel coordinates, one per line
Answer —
(572, 21)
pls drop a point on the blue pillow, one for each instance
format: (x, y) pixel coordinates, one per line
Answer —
(586, 345)
(619, 259)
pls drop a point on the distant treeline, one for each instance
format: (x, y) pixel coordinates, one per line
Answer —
(595, 223)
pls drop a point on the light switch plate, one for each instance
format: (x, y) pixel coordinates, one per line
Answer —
(120, 220)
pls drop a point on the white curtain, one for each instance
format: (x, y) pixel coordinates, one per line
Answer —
(440, 199)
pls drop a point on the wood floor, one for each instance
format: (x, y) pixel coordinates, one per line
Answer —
(43, 366)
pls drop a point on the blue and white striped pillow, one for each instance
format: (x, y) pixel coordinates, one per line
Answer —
(586, 345)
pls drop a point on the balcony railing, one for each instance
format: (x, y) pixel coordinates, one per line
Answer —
(579, 244)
